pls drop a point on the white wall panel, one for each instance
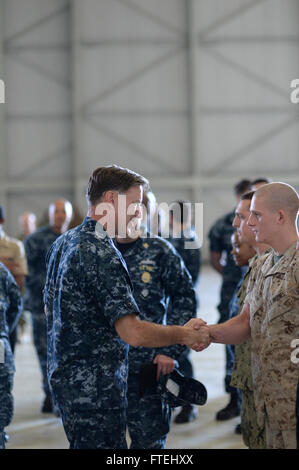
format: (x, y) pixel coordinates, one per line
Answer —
(195, 94)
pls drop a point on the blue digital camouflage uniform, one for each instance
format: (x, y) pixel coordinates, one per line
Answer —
(220, 241)
(36, 247)
(87, 290)
(192, 260)
(158, 275)
(192, 256)
(10, 311)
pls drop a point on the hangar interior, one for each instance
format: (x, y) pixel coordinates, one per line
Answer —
(192, 94)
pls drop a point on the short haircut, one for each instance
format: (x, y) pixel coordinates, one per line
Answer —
(181, 211)
(278, 196)
(260, 180)
(112, 178)
(242, 187)
(247, 196)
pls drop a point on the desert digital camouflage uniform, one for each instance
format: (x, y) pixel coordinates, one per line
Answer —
(297, 414)
(253, 435)
(36, 247)
(14, 250)
(87, 290)
(10, 311)
(158, 275)
(274, 319)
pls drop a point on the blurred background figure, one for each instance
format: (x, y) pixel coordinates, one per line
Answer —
(257, 183)
(220, 246)
(150, 216)
(181, 231)
(27, 222)
(37, 246)
(242, 252)
(12, 255)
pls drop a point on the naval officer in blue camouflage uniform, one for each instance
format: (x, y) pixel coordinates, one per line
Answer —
(92, 315)
(10, 312)
(36, 247)
(158, 275)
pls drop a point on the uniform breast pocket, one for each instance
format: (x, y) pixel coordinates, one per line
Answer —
(281, 292)
(283, 322)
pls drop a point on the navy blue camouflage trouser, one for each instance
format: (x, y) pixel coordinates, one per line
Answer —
(6, 401)
(94, 428)
(148, 419)
(39, 330)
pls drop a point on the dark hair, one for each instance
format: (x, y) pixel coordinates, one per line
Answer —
(183, 214)
(260, 180)
(242, 187)
(112, 177)
(247, 196)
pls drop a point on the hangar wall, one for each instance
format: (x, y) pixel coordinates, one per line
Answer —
(194, 94)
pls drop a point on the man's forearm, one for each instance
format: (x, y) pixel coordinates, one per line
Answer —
(150, 335)
(234, 331)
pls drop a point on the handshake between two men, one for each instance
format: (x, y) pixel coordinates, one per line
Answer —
(201, 334)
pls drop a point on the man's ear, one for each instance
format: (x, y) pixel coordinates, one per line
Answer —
(281, 216)
(110, 197)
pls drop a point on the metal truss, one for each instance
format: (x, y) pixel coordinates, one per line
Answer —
(16, 47)
(192, 41)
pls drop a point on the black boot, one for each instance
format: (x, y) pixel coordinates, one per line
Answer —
(2, 439)
(47, 406)
(186, 415)
(238, 429)
(231, 410)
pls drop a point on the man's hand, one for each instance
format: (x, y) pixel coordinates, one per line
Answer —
(166, 365)
(196, 323)
(199, 338)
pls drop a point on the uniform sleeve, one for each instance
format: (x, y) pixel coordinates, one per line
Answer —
(183, 304)
(15, 305)
(192, 259)
(34, 280)
(113, 291)
(216, 238)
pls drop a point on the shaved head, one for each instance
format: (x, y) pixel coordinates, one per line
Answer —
(280, 196)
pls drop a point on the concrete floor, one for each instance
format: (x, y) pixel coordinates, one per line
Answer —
(32, 430)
